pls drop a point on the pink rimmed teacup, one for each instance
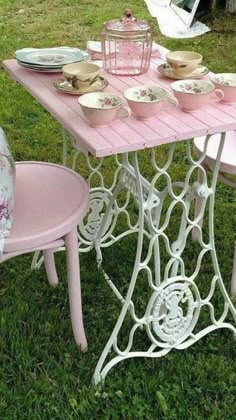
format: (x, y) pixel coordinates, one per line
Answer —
(101, 108)
(192, 95)
(146, 101)
(227, 83)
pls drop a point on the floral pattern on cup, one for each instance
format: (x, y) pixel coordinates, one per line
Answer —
(221, 80)
(173, 66)
(109, 102)
(75, 79)
(177, 66)
(225, 80)
(148, 95)
(191, 88)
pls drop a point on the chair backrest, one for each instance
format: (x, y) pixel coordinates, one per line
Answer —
(7, 178)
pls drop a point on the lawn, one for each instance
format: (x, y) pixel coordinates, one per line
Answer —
(43, 374)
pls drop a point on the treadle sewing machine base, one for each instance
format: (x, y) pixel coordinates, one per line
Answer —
(173, 309)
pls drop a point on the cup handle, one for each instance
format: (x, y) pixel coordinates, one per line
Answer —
(123, 112)
(216, 96)
(171, 102)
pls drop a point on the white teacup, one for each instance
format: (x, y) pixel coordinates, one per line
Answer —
(183, 63)
(146, 101)
(81, 74)
(101, 108)
(192, 95)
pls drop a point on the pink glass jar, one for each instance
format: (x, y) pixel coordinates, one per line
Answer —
(126, 45)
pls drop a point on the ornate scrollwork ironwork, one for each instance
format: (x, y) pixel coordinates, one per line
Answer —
(173, 311)
(175, 304)
(99, 200)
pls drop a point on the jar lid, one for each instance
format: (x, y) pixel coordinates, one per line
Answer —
(128, 23)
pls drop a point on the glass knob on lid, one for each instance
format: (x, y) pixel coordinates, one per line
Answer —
(127, 23)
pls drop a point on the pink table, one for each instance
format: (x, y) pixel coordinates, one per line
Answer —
(174, 304)
(128, 134)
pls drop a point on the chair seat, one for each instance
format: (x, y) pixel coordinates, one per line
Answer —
(49, 200)
(228, 160)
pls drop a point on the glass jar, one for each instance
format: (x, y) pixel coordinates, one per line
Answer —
(126, 45)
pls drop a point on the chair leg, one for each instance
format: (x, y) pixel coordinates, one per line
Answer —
(73, 273)
(50, 267)
(233, 280)
(197, 209)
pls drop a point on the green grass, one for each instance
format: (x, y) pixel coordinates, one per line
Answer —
(43, 375)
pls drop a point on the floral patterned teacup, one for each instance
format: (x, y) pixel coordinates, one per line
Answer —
(100, 108)
(146, 101)
(183, 63)
(81, 74)
(227, 83)
(192, 95)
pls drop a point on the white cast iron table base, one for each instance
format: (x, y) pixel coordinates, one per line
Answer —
(175, 302)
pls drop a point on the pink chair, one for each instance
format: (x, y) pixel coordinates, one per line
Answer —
(227, 166)
(49, 202)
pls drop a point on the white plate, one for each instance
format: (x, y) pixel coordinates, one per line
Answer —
(66, 87)
(50, 57)
(40, 69)
(167, 71)
(35, 66)
(47, 69)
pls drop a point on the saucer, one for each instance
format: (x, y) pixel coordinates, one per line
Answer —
(167, 71)
(66, 87)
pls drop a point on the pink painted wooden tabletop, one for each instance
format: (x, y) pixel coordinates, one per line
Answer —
(126, 134)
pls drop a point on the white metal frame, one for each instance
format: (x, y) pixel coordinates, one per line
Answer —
(175, 302)
(191, 15)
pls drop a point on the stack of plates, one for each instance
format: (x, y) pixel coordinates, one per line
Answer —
(49, 60)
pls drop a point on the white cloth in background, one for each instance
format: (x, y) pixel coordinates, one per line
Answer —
(169, 23)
